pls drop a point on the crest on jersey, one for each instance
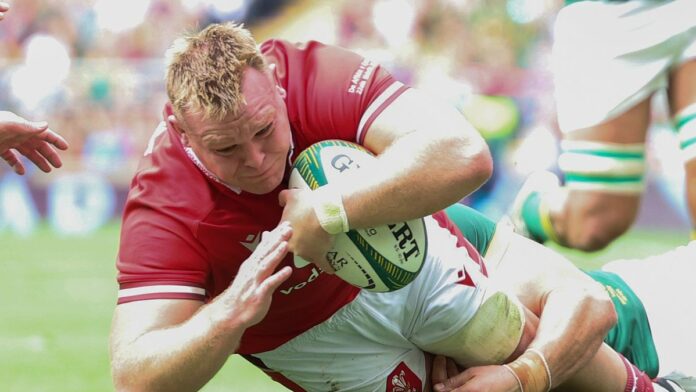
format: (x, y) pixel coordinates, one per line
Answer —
(403, 379)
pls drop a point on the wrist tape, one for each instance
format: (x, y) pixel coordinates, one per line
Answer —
(329, 209)
(531, 371)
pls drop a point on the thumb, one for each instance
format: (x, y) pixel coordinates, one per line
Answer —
(283, 197)
(31, 126)
(39, 125)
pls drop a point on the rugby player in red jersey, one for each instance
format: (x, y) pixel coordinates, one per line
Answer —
(204, 263)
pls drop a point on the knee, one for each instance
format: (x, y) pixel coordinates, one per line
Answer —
(596, 231)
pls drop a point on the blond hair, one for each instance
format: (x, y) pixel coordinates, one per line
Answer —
(204, 70)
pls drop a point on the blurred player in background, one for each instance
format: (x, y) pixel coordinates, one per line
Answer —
(32, 139)
(202, 253)
(647, 332)
(610, 57)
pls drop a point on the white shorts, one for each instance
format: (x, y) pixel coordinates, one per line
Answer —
(609, 56)
(376, 342)
(665, 285)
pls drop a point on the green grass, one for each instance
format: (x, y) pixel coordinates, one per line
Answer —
(57, 295)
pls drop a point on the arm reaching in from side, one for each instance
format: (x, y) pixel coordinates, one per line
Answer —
(181, 344)
(34, 140)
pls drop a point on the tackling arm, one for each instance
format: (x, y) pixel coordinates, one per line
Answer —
(575, 312)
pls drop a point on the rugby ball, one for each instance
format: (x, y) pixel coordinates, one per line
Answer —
(380, 259)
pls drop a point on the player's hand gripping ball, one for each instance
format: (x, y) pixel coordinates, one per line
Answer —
(383, 258)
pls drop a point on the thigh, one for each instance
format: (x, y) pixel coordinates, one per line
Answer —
(664, 283)
(354, 350)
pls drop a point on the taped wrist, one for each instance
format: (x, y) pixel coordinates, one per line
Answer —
(329, 209)
(532, 371)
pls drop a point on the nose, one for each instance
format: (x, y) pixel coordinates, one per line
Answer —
(253, 155)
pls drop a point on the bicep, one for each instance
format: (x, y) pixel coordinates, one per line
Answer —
(413, 111)
(134, 319)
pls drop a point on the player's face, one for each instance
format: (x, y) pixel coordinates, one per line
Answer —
(248, 151)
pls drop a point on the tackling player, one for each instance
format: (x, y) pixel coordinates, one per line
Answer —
(605, 76)
(646, 332)
(204, 268)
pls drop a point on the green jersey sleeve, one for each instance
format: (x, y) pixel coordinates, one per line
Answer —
(631, 336)
(475, 226)
(490, 239)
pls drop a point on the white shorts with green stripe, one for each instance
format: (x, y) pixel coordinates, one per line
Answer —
(610, 56)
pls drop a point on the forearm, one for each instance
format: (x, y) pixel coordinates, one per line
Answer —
(416, 176)
(182, 357)
(570, 336)
(575, 311)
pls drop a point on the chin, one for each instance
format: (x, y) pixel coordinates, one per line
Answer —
(264, 187)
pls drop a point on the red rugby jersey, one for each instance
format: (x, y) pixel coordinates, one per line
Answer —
(184, 235)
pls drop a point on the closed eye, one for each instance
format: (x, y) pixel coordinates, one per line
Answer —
(225, 150)
(265, 131)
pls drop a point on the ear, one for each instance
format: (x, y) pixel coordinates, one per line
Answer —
(176, 125)
(282, 92)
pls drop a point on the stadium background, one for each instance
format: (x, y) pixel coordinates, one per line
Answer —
(94, 70)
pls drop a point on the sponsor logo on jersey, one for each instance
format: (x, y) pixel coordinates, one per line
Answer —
(251, 241)
(360, 77)
(315, 274)
(403, 379)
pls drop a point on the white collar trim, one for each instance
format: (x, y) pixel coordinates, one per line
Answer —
(194, 158)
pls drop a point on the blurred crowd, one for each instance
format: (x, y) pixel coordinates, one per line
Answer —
(94, 68)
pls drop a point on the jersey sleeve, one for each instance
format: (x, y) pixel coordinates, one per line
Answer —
(331, 92)
(159, 259)
(490, 239)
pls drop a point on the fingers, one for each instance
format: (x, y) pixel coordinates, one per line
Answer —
(23, 125)
(452, 369)
(283, 197)
(50, 155)
(439, 370)
(34, 156)
(274, 281)
(55, 139)
(271, 239)
(12, 159)
(453, 383)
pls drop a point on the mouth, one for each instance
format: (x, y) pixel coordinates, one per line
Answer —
(263, 174)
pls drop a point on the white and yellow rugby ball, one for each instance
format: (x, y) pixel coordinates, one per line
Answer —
(383, 258)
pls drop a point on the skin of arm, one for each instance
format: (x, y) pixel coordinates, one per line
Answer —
(575, 311)
(32, 139)
(420, 145)
(167, 345)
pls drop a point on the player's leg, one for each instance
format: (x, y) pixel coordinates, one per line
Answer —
(359, 348)
(603, 167)
(682, 96)
(664, 284)
(604, 78)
